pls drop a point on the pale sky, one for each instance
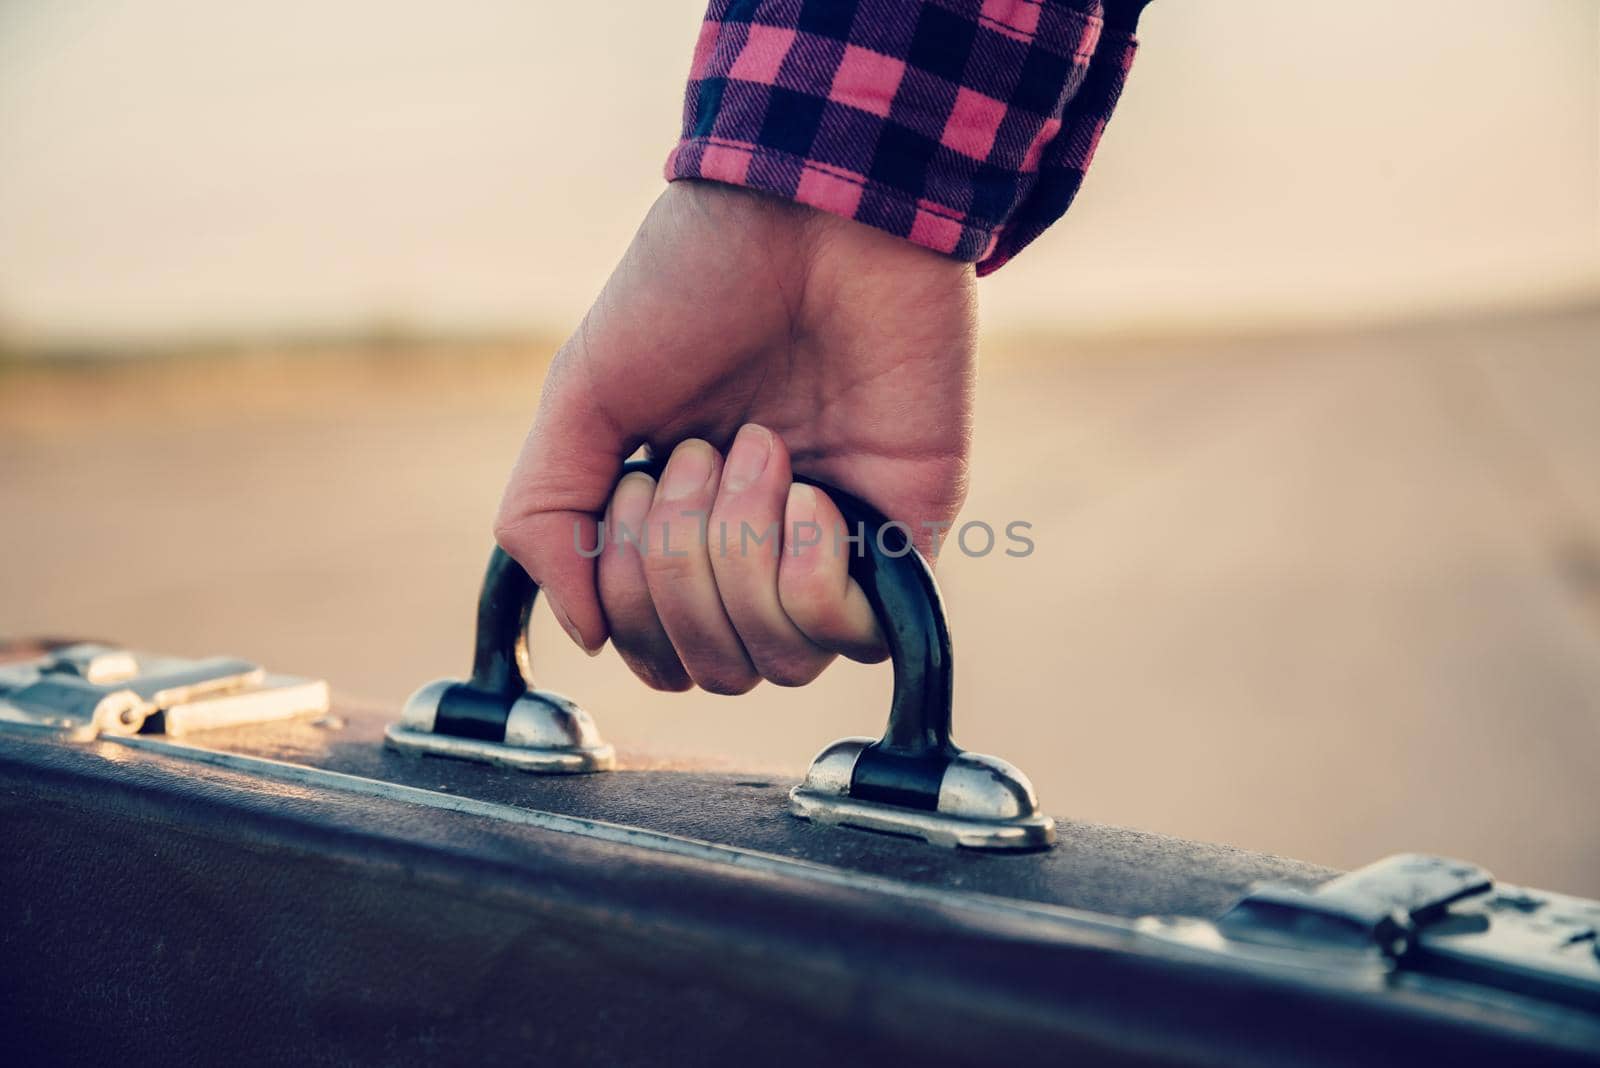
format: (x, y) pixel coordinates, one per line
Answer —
(172, 166)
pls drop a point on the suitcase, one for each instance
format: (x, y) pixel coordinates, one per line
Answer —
(206, 862)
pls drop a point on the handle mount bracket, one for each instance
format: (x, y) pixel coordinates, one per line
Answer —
(915, 781)
(498, 716)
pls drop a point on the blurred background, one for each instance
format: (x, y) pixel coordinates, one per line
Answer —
(1302, 399)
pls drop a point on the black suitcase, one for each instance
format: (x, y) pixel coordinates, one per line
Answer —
(205, 863)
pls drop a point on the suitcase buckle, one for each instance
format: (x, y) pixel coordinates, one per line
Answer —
(83, 691)
(1417, 914)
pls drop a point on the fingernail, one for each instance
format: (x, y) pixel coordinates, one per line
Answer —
(630, 511)
(801, 533)
(687, 471)
(633, 496)
(572, 631)
(752, 448)
(801, 507)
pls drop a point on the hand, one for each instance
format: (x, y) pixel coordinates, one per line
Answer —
(852, 353)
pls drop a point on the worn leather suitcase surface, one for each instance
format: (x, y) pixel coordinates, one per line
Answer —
(208, 863)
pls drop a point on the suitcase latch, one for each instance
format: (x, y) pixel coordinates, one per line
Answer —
(1421, 915)
(80, 692)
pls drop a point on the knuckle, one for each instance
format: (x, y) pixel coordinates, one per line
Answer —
(722, 539)
(674, 535)
(656, 676)
(671, 567)
(727, 683)
(792, 672)
(673, 683)
(509, 528)
(627, 605)
(809, 600)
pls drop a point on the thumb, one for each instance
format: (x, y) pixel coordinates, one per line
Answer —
(548, 519)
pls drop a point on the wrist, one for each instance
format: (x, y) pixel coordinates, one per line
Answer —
(803, 233)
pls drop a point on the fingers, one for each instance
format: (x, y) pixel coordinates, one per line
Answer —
(636, 630)
(814, 583)
(726, 573)
(679, 574)
(747, 520)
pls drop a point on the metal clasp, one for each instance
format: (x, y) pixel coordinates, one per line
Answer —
(83, 691)
(1419, 915)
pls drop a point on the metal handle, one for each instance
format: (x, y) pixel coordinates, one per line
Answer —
(904, 768)
(899, 586)
(914, 780)
(907, 765)
(500, 657)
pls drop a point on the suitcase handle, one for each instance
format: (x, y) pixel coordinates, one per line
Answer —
(896, 579)
(912, 781)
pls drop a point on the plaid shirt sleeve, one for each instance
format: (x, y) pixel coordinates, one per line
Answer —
(965, 126)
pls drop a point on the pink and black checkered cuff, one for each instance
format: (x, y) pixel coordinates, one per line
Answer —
(965, 126)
